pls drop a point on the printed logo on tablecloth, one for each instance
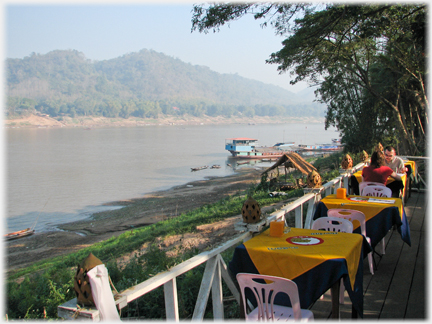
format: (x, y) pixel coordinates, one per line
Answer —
(304, 240)
(358, 199)
(372, 200)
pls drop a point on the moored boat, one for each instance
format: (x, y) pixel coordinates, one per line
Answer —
(199, 168)
(19, 234)
(320, 147)
(284, 144)
(247, 148)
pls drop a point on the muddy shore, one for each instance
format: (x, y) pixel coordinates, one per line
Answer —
(146, 210)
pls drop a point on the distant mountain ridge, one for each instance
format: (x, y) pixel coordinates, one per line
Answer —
(65, 82)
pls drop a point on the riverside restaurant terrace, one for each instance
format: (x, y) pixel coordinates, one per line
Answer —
(396, 290)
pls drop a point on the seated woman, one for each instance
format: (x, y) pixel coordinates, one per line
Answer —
(377, 171)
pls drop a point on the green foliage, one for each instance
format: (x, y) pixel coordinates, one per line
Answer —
(264, 185)
(369, 66)
(143, 84)
(368, 60)
(37, 292)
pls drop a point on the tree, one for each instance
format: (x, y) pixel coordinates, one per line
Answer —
(361, 40)
(112, 109)
(351, 47)
(127, 108)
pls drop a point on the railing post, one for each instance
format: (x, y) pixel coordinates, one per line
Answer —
(217, 296)
(299, 216)
(310, 211)
(204, 291)
(171, 304)
(346, 181)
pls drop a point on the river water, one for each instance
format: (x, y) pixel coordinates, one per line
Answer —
(59, 175)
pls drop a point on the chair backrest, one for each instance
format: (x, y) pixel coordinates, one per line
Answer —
(364, 184)
(351, 215)
(376, 191)
(265, 293)
(333, 224)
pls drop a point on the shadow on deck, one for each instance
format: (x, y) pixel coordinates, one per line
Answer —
(397, 289)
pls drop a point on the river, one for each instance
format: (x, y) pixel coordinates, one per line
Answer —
(58, 175)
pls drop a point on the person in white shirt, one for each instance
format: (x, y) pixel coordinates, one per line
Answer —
(397, 165)
(392, 161)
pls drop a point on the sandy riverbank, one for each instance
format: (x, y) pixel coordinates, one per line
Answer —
(34, 121)
(149, 209)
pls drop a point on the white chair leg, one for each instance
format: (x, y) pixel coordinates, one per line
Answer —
(370, 260)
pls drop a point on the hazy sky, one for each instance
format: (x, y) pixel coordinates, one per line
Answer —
(105, 30)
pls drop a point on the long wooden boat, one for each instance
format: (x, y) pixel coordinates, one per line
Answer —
(19, 234)
(321, 147)
(246, 148)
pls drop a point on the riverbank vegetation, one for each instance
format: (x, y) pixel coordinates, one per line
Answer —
(35, 291)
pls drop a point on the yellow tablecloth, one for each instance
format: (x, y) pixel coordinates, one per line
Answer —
(412, 164)
(370, 206)
(300, 250)
(381, 215)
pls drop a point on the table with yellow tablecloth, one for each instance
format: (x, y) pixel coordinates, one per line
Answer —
(411, 174)
(314, 260)
(381, 214)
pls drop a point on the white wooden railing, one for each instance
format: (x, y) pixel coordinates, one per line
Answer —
(216, 269)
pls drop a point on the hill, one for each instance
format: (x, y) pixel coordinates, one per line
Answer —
(142, 84)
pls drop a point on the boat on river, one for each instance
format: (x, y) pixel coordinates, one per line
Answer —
(247, 148)
(18, 234)
(199, 168)
(320, 147)
(284, 144)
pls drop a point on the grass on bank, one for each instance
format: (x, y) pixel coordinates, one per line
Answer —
(49, 283)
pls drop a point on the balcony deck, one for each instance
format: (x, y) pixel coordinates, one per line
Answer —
(397, 289)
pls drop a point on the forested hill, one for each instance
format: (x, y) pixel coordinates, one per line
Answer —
(142, 84)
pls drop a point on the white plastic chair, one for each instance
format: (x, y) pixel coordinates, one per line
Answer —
(334, 224)
(376, 191)
(266, 310)
(352, 215)
(364, 184)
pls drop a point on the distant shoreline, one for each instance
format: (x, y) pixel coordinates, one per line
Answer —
(88, 122)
